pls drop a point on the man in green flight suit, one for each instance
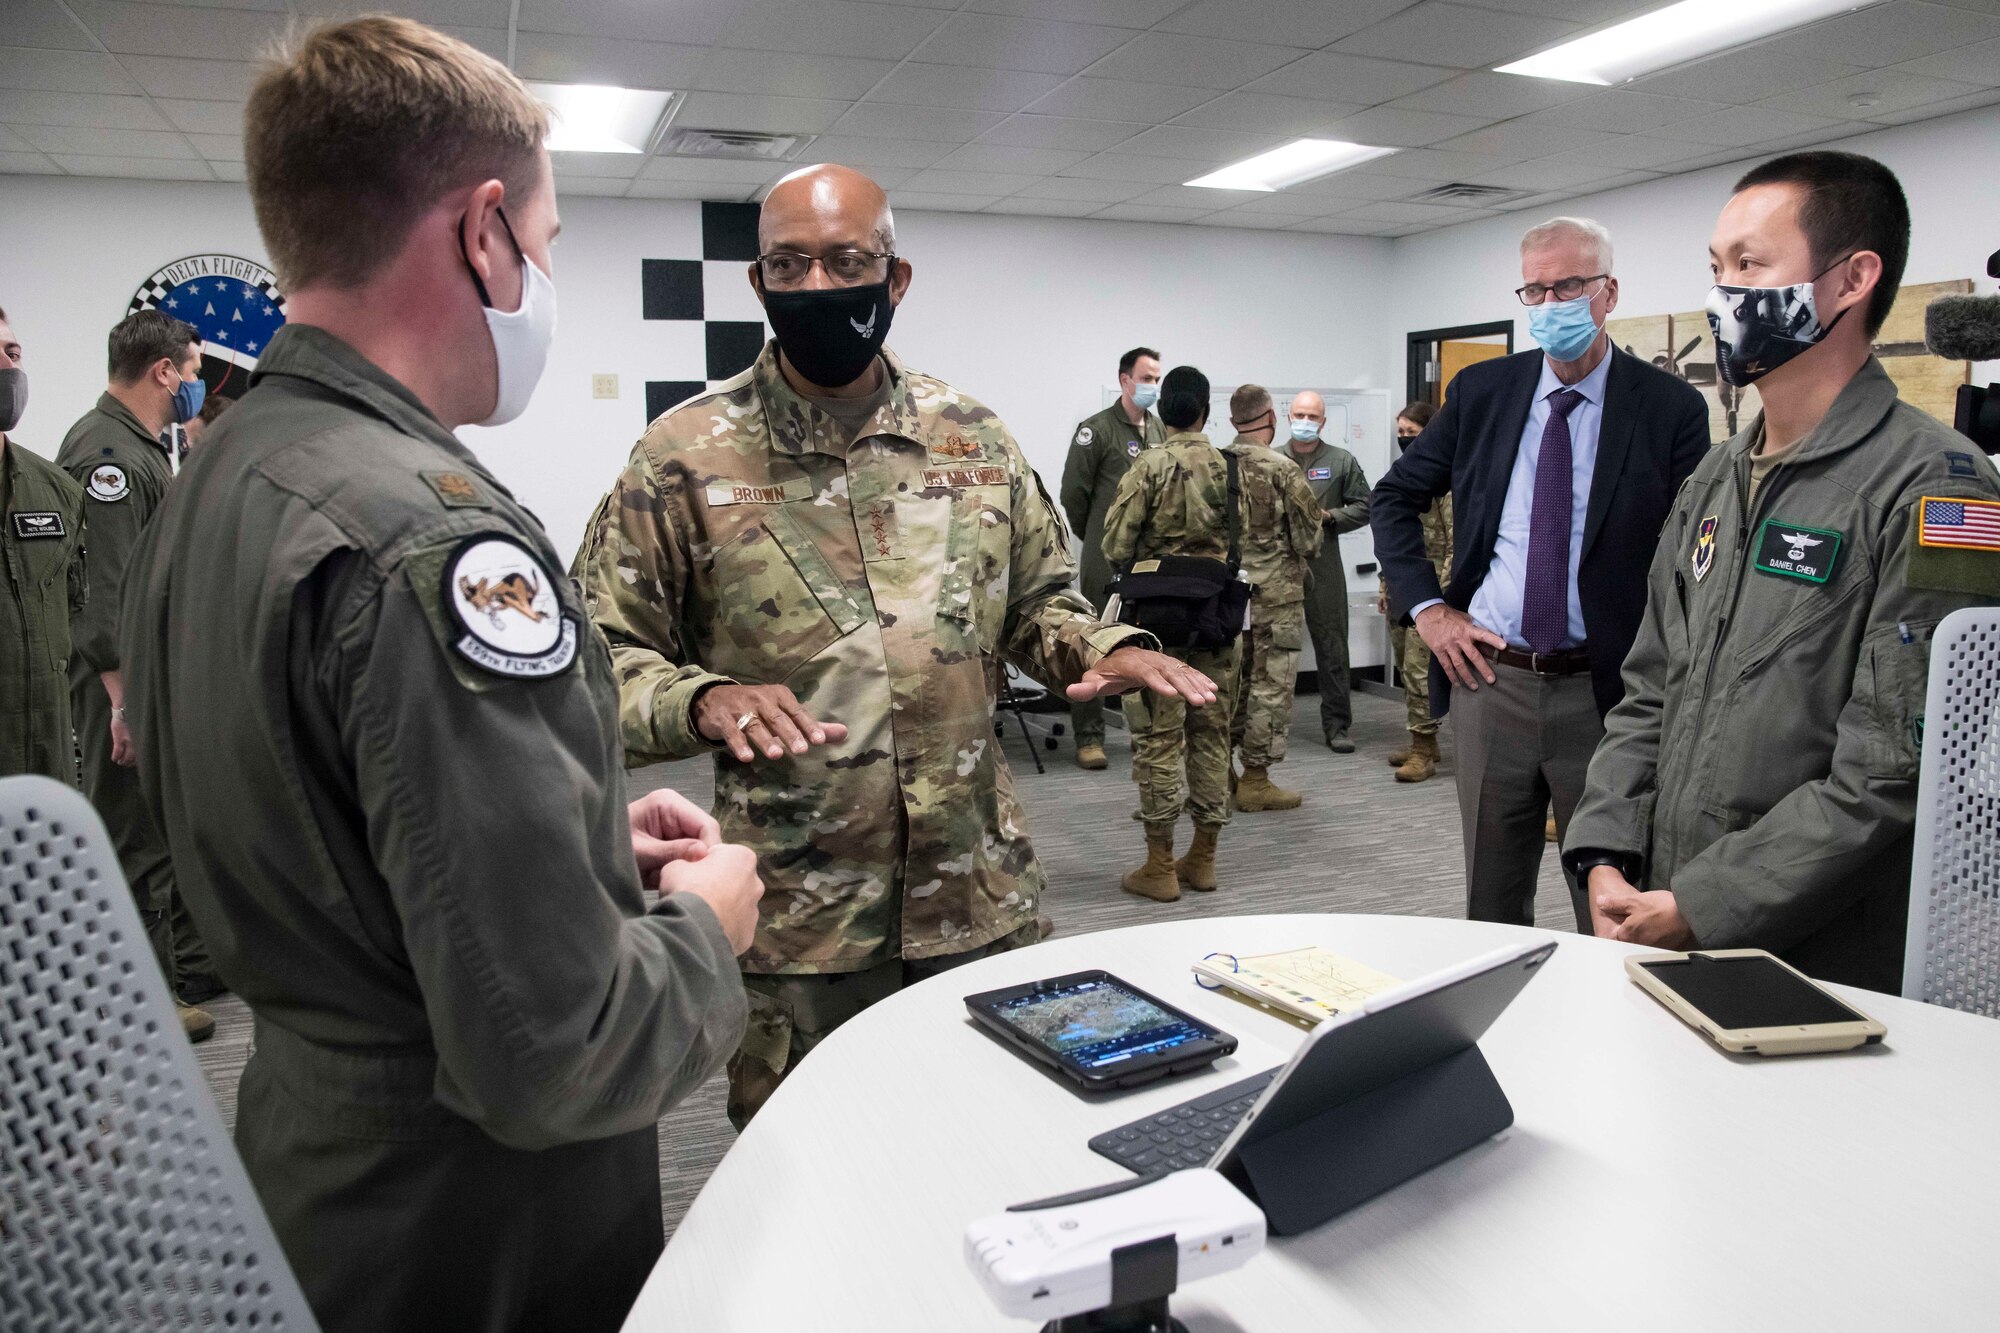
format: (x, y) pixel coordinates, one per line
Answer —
(1757, 785)
(1342, 491)
(114, 451)
(1100, 450)
(41, 547)
(382, 740)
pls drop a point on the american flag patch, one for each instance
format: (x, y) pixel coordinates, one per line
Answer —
(1972, 525)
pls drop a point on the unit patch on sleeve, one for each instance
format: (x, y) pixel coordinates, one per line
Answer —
(1083, 436)
(28, 525)
(1132, 448)
(1794, 551)
(107, 482)
(1704, 548)
(508, 618)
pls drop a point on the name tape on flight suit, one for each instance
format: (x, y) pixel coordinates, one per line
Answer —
(741, 493)
(1794, 551)
(28, 525)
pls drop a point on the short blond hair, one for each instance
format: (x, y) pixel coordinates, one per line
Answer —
(362, 127)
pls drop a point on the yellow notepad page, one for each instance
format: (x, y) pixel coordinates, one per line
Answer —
(1308, 983)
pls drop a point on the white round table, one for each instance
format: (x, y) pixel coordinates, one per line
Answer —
(1650, 1181)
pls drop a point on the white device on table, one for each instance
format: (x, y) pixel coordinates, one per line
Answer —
(1111, 1246)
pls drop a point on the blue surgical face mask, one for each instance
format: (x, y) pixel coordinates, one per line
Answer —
(188, 398)
(1302, 431)
(1564, 329)
(1145, 395)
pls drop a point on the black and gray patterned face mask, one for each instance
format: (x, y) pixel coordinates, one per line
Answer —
(13, 397)
(1758, 329)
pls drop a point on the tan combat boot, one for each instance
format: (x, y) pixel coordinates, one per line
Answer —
(1156, 878)
(1091, 755)
(1397, 758)
(1423, 760)
(196, 1024)
(1197, 868)
(1257, 792)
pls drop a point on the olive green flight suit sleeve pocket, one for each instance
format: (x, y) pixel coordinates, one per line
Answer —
(1894, 678)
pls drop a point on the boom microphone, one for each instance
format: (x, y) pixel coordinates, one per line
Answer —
(1963, 328)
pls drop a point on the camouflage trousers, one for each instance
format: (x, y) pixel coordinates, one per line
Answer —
(1412, 657)
(1180, 755)
(791, 1013)
(1266, 680)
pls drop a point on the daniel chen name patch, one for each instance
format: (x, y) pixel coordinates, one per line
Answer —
(1794, 551)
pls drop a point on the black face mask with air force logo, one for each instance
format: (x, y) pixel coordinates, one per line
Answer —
(831, 334)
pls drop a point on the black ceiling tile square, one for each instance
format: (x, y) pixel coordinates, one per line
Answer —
(732, 346)
(663, 394)
(729, 231)
(670, 288)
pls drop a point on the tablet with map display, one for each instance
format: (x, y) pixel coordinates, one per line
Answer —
(1098, 1030)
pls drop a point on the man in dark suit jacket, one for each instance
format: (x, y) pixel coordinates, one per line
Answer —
(1548, 581)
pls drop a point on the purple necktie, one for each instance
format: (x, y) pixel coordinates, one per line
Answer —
(1545, 599)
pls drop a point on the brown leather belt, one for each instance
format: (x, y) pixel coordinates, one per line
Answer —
(1568, 662)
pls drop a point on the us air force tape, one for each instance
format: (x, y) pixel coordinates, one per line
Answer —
(508, 618)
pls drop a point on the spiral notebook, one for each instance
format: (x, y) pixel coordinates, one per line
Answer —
(1305, 985)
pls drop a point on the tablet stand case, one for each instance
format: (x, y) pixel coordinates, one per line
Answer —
(1348, 1154)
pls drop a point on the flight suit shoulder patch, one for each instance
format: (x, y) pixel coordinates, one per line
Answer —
(47, 523)
(1084, 435)
(1954, 546)
(1795, 551)
(456, 490)
(495, 608)
(107, 482)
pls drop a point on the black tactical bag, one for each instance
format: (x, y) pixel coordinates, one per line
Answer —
(1189, 601)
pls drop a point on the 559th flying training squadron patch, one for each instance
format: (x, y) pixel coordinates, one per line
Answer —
(107, 482)
(509, 620)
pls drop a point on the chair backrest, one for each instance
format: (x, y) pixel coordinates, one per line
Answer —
(1952, 955)
(123, 1203)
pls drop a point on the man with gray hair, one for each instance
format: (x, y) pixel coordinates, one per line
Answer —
(1562, 466)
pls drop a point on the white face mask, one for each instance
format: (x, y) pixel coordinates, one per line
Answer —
(521, 340)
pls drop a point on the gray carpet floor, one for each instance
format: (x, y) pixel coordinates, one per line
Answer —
(1360, 843)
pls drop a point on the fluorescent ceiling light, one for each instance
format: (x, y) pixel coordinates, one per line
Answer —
(1299, 160)
(590, 118)
(1672, 36)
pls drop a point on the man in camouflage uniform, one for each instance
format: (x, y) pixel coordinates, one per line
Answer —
(830, 531)
(1100, 450)
(1281, 532)
(1175, 501)
(1418, 760)
(1337, 482)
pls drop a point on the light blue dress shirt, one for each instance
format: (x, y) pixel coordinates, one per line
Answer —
(1498, 602)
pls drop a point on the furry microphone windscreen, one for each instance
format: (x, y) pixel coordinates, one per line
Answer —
(1963, 328)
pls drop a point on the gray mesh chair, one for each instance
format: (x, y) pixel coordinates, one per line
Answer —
(123, 1204)
(1952, 955)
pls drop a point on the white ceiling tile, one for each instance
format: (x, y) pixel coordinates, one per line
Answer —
(691, 22)
(1123, 166)
(1403, 212)
(1204, 62)
(1546, 200)
(1022, 205)
(1360, 185)
(1587, 12)
(1891, 33)
(1714, 158)
(1493, 95)
(1978, 63)
(34, 164)
(1082, 190)
(937, 180)
(1199, 145)
(1385, 127)
(598, 166)
(831, 27)
(1291, 204)
(492, 41)
(770, 115)
(1434, 164)
(11, 142)
(1547, 174)
(854, 151)
(182, 30)
(786, 74)
(960, 86)
(1519, 139)
(1635, 152)
(42, 23)
(218, 147)
(717, 191)
(1091, 136)
(567, 58)
(1977, 6)
(1197, 196)
(469, 13)
(1619, 111)
(1883, 91)
(1737, 77)
(229, 171)
(1312, 23)
(1340, 226)
(203, 117)
(719, 170)
(888, 178)
(1117, 99)
(1148, 213)
(933, 201)
(1232, 217)
(1747, 125)
(982, 156)
(609, 187)
(1344, 78)
(1985, 97)
(1116, 13)
(139, 168)
(943, 124)
(62, 71)
(1264, 113)
(207, 80)
(995, 42)
(99, 110)
(1446, 34)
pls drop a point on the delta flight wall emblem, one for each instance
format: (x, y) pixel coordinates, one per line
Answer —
(234, 303)
(504, 603)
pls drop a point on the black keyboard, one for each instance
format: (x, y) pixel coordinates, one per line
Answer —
(1185, 1135)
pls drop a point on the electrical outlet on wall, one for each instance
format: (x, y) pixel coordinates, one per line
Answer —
(603, 386)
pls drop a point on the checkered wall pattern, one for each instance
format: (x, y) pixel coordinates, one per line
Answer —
(712, 289)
